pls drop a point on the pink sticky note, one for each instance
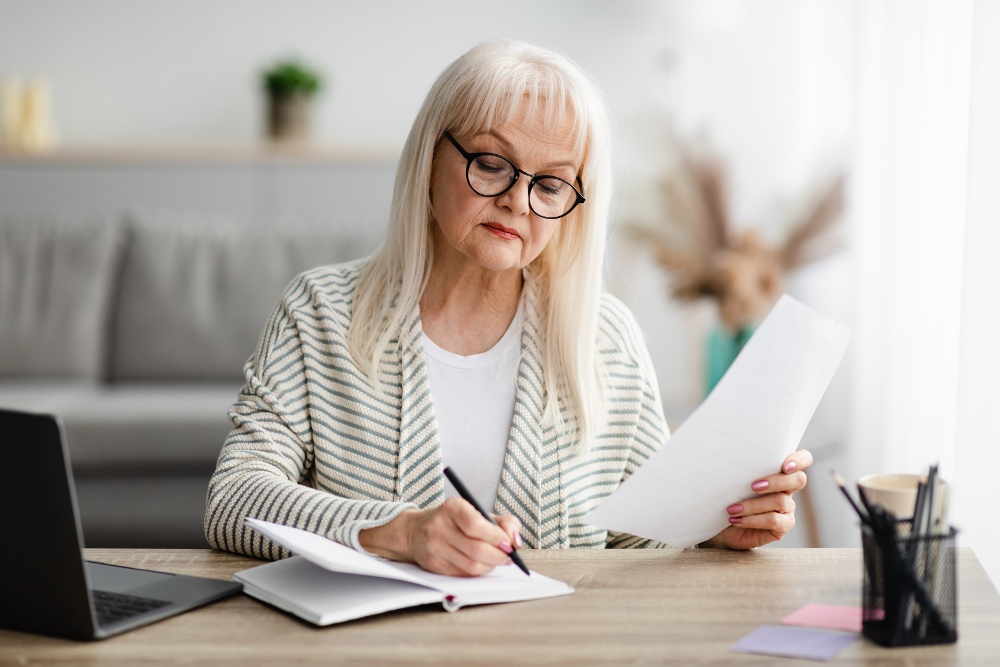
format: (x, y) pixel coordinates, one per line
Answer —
(829, 616)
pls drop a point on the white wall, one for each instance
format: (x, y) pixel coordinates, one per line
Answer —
(188, 71)
(767, 78)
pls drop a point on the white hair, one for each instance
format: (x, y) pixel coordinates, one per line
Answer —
(482, 90)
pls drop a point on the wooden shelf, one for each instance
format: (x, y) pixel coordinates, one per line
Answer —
(203, 154)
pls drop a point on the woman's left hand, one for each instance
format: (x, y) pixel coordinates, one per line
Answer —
(768, 517)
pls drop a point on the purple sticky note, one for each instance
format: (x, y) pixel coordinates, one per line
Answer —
(793, 642)
(829, 616)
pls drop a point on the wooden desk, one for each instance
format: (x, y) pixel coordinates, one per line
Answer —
(630, 607)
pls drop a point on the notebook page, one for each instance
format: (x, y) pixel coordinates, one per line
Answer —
(503, 584)
(506, 583)
(328, 554)
(751, 421)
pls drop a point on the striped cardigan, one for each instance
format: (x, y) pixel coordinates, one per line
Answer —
(313, 446)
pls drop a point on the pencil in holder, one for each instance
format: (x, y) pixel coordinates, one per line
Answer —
(909, 587)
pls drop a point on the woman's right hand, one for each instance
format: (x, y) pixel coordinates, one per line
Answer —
(452, 539)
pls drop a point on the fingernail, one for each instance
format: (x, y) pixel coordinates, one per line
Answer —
(505, 547)
(734, 509)
(760, 485)
(790, 466)
(735, 519)
(510, 561)
(517, 540)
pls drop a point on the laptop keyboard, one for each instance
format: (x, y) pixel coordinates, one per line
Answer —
(114, 607)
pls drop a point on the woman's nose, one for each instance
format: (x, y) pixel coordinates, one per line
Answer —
(516, 199)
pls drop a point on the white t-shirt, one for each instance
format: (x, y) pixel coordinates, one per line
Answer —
(474, 404)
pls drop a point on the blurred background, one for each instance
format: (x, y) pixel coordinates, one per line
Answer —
(167, 167)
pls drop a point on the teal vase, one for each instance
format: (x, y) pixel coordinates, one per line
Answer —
(721, 349)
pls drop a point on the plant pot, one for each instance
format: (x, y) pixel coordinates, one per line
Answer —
(721, 349)
(288, 117)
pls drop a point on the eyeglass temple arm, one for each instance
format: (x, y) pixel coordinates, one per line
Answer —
(467, 155)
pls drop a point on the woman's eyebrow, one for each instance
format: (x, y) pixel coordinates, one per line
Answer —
(509, 148)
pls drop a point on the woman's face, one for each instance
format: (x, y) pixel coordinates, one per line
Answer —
(500, 233)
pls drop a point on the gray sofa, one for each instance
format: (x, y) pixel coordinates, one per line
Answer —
(134, 330)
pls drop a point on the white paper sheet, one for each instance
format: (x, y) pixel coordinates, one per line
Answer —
(751, 421)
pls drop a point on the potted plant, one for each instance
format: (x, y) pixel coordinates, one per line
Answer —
(290, 87)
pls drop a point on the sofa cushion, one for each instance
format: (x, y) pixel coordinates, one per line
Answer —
(132, 427)
(143, 512)
(196, 292)
(56, 279)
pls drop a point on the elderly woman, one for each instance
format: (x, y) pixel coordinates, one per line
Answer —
(476, 337)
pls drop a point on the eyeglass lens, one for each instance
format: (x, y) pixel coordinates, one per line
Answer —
(549, 197)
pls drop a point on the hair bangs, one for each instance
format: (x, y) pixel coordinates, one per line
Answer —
(516, 88)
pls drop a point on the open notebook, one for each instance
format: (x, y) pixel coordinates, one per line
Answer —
(330, 583)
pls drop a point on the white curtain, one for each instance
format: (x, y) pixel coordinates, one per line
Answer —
(977, 451)
(923, 210)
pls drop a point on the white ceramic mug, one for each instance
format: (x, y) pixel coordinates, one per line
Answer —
(898, 494)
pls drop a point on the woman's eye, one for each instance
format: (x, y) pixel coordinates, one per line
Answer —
(550, 187)
(490, 166)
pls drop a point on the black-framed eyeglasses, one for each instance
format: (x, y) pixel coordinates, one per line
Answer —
(491, 175)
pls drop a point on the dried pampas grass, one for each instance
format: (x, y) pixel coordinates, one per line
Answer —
(695, 242)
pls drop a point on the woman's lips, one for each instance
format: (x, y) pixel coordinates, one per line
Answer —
(501, 231)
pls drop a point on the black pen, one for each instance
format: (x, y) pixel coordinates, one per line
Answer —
(464, 492)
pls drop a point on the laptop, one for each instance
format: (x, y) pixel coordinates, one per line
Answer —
(47, 587)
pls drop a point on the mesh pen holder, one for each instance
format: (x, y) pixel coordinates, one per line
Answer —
(909, 587)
